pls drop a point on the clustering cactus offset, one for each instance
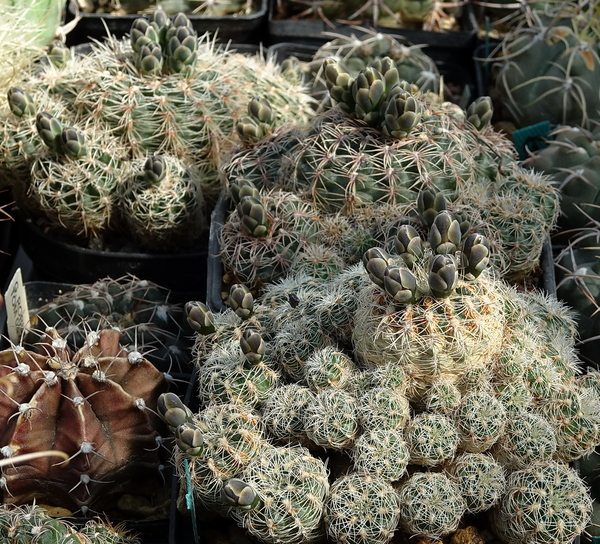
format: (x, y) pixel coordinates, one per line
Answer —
(547, 502)
(32, 523)
(416, 375)
(362, 164)
(97, 405)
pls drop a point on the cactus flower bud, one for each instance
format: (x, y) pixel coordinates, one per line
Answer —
(480, 111)
(401, 113)
(155, 169)
(240, 188)
(199, 317)
(339, 84)
(253, 346)
(409, 244)
(142, 33)
(149, 59)
(375, 261)
(443, 275)
(49, 129)
(445, 233)
(429, 203)
(368, 92)
(189, 439)
(20, 102)
(161, 22)
(58, 54)
(476, 249)
(241, 300)
(239, 494)
(253, 216)
(73, 143)
(400, 284)
(181, 50)
(172, 410)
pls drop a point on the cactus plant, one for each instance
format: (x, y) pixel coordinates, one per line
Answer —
(106, 425)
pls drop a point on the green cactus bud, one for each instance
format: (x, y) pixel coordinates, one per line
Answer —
(73, 143)
(142, 33)
(189, 439)
(149, 60)
(339, 84)
(253, 216)
(160, 22)
(58, 54)
(181, 50)
(409, 244)
(240, 188)
(445, 234)
(480, 111)
(253, 346)
(155, 169)
(240, 495)
(429, 204)
(181, 20)
(401, 113)
(199, 317)
(241, 300)
(387, 68)
(49, 129)
(368, 92)
(260, 109)
(476, 249)
(20, 102)
(400, 284)
(375, 261)
(172, 410)
(443, 275)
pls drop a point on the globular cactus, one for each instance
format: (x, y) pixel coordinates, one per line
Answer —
(141, 310)
(280, 496)
(546, 502)
(383, 408)
(431, 439)
(352, 495)
(480, 479)
(329, 367)
(382, 453)
(431, 504)
(528, 438)
(32, 523)
(331, 421)
(163, 206)
(562, 88)
(97, 405)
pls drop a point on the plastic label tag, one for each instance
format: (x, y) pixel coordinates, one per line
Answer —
(531, 138)
(17, 311)
(189, 500)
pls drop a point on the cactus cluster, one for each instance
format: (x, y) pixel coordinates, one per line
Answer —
(128, 137)
(361, 165)
(97, 405)
(29, 524)
(400, 395)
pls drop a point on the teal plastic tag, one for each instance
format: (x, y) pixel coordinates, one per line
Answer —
(189, 500)
(532, 138)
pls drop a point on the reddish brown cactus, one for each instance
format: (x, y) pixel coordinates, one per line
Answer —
(96, 405)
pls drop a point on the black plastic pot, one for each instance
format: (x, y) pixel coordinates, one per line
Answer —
(184, 273)
(311, 31)
(238, 28)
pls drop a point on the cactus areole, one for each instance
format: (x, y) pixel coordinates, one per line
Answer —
(96, 405)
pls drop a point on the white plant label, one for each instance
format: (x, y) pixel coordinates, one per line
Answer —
(17, 311)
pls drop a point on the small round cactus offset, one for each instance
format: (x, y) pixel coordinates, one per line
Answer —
(280, 496)
(545, 503)
(97, 405)
(352, 496)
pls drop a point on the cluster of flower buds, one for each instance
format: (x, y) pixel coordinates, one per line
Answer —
(179, 419)
(376, 96)
(452, 253)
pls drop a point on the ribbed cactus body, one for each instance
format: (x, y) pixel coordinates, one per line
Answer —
(352, 495)
(291, 487)
(96, 405)
(546, 502)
